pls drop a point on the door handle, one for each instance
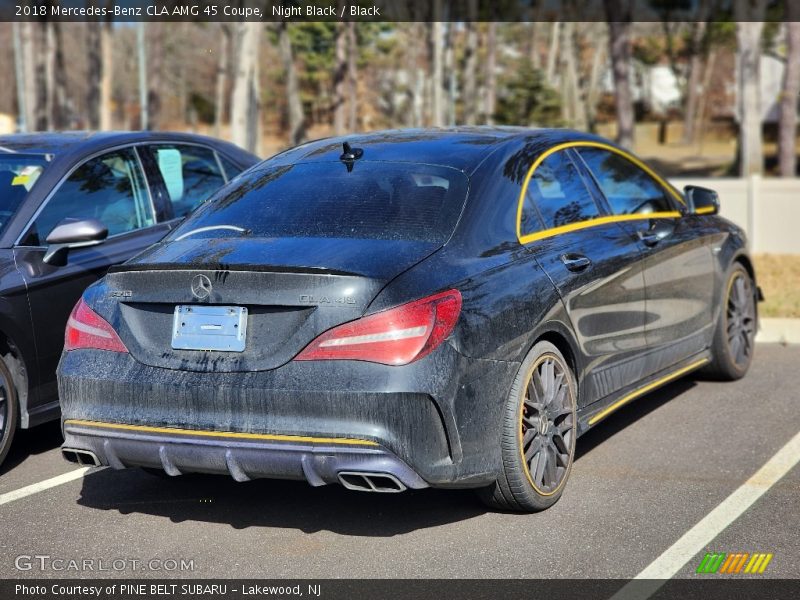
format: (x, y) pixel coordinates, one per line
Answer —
(575, 262)
(649, 239)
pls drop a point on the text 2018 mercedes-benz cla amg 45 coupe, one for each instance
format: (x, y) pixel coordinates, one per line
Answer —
(404, 309)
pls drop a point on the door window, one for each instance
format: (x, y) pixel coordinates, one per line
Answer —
(558, 191)
(190, 173)
(109, 188)
(629, 189)
(231, 169)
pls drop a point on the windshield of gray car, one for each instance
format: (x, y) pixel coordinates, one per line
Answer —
(18, 175)
(364, 200)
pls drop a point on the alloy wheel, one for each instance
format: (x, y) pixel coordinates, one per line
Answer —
(740, 319)
(547, 430)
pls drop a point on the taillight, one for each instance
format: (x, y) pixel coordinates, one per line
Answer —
(393, 337)
(87, 329)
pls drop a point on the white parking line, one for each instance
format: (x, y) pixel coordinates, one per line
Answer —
(710, 526)
(34, 488)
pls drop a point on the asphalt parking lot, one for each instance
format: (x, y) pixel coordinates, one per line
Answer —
(641, 480)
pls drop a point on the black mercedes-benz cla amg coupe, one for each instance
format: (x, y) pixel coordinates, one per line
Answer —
(404, 309)
(71, 205)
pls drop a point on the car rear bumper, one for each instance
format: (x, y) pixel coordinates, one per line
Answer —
(318, 461)
(434, 422)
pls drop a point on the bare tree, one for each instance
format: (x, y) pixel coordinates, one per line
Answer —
(693, 78)
(222, 76)
(155, 75)
(352, 76)
(748, 38)
(60, 118)
(20, 76)
(94, 73)
(618, 14)
(693, 81)
(42, 75)
(297, 126)
(436, 50)
(245, 103)
(552, 52)
(702, 105)
(787, 127)
(106, 72)
(339, 74)
(415, 81)
(573, 107)
(597, 33)
(29, 54)
(471, 65)
(491, 72)
(450, 77)
(144, 96)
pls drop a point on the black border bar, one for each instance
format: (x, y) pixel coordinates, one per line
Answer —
(390, 10)
(703, 587)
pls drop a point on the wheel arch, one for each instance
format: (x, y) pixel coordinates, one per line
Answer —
(743, 259)
(16, 363)
(746, 263)
(557, 334)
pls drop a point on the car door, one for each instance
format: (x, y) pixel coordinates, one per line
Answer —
(596, 268)
(678, 266)
(111, 188)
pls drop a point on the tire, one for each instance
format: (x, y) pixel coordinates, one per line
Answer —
(539, 413)
(734, 335)
(9, 410)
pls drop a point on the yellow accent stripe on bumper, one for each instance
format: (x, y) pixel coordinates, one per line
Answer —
(651, 386)
(223, 434)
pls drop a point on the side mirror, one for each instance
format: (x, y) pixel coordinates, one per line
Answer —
(701, 201)
(72, 233)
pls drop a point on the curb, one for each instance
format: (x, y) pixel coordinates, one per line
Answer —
(781, 331)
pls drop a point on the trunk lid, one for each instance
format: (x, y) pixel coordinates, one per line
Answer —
(293, 289)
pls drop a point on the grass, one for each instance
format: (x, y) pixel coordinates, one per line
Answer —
(778, 275)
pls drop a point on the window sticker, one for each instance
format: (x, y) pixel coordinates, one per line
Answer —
(27, 176)
(171, 167)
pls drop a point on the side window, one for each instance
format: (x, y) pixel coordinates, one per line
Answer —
(190, 173)
(231, 169)
(629, 189)
(530, 220)
(559, 193)
(109, 188)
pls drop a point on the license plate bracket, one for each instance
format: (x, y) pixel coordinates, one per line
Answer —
(209, 328)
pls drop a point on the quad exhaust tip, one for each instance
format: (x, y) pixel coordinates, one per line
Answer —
(80, 457)
(384, 483)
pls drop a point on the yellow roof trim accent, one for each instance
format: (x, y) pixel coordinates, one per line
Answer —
(643, 390)
(601, 220)
(223, 434)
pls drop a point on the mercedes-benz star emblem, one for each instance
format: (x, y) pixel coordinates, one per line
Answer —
(201, 287)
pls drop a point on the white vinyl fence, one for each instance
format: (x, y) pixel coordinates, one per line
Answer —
(767, 209)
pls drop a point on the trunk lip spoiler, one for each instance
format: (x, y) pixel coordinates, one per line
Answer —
(253, 268)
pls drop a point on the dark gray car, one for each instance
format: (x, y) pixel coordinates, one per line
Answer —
(403, 309)
(72, 205)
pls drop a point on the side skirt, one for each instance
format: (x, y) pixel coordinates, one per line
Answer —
(41, 414)
(591, 415)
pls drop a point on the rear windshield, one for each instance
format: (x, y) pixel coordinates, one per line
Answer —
(18, 175)
(374, 200)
